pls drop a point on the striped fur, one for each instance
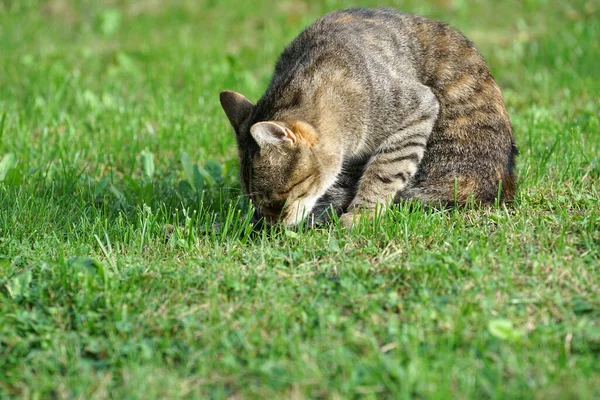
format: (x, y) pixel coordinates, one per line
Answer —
(370, 106)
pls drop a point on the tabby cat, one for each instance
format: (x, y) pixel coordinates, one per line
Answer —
(371, 106)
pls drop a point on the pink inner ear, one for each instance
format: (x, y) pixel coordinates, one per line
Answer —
(290, 135)
(271, 133)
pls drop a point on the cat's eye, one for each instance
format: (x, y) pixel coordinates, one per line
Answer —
(295, 185)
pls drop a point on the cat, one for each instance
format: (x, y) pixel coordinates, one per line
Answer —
(367, 107)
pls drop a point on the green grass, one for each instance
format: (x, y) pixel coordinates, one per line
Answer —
(111, 129)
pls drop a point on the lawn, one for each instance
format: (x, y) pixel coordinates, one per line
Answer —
(111, 134)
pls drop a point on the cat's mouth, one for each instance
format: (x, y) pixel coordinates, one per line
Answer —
(273, 212)
(288, 213)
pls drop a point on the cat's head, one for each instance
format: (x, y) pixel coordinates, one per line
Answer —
(283, 169)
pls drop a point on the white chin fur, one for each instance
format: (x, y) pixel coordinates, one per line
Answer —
(300, 209)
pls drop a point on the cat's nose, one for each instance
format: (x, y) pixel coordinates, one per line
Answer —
(272, 211)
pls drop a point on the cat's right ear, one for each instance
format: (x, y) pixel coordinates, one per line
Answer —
(236, 106)
(271, 133)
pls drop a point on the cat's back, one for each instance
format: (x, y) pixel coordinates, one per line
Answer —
(359, 36)
(381, 50)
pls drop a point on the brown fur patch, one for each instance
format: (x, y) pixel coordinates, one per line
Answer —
(461, 87)
(445, 71)
(468, 187)
(304, 132)
(465, 187)
(346, 19)
(457, 190)
(462, 120)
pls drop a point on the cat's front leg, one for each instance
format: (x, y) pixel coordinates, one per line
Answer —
(394, 163)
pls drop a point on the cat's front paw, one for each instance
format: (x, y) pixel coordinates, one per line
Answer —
(354, 217)
(357, 214)
(347, 220)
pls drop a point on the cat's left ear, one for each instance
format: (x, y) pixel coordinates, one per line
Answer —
(236, 107)
(270, 133)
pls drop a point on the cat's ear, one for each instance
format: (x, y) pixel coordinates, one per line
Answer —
(236, 106)
(269, 133)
